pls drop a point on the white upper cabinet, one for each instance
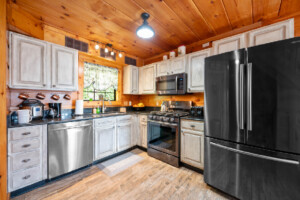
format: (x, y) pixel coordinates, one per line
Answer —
(28, 63)
(196, 70)
(36, 64)
(229, 44)
(64, 74)
(130, 80)
(163, 68)
(275, 32)
(178, 65)
(148, 77)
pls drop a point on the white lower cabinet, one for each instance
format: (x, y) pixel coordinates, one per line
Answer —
(27, 156)
(192, 144)
(105, 144)
(123, 136)
(143, 131)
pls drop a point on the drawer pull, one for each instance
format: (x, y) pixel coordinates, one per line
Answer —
(26, 145)
(26, 133)
(193, 126)
(26, 160)
(26, 177)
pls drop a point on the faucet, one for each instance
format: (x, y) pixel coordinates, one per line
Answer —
(101, 97)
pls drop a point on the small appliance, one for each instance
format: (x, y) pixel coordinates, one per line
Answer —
(54, 110)
(35, 106)
(24, 116)
(171, 84)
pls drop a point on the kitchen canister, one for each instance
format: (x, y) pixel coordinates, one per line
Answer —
(79, 107)
(181, 50)
(165, 57)
(172, 54)
(24, 116)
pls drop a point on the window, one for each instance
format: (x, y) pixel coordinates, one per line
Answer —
(99, 80)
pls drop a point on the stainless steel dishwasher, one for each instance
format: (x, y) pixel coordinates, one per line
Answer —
(70, 147)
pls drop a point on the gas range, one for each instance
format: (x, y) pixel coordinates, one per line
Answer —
(169, 116)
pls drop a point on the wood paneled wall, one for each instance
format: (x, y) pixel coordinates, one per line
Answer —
(3, 133)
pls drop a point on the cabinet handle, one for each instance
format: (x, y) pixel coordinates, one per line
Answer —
(44, 85)
(26, 145)
(193, 126)
(54, 86)
(26, 133)
(189, 89)
(26, 177)
(26, 160)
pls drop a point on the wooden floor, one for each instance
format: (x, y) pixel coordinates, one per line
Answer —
(148, 179)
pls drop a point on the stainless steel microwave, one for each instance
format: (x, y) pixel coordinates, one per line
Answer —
(171, 84)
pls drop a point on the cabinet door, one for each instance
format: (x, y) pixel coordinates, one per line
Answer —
(149, 76)
(196, 71)
(135, 80)
(141, 86)
(105, 142)
(64, 68)
(144, 135)
(28, 63)
(123, 137)
(178, 65)
(163, 68)
(229, 44)
(192, 148)
(135, 130)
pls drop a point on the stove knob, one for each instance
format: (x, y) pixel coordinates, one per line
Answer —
(172, 119)
(161, 118)
(154, 117)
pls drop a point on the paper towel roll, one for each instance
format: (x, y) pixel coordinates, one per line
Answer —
(79, 107)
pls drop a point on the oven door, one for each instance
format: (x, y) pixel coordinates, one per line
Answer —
(163, 137)
(173, 84)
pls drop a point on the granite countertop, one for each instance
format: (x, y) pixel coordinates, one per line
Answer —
(75, 118)
(193, 118)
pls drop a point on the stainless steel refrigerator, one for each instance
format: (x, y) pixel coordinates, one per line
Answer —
(252, 109)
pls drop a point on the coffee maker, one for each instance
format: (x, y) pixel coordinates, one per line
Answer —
(54, 110)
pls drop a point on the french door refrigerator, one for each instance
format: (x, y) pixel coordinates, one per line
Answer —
(252, 109)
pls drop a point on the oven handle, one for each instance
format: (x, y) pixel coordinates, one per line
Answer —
(163, 124)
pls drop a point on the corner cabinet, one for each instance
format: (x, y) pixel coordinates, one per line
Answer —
(229, 44)
(275, 32)
(28, 62)
(36, 64)
(196, 70)
(147, 79)
(130, 80)
(64, 68)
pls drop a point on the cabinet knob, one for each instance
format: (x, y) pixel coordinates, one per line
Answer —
(193, 126)
(44, 85)
(54, 85)
(26, 177)
(26, 160)
(26, 133)
(26, 145)
(189, 89)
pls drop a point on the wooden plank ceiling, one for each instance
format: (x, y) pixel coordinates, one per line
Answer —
(175, 22)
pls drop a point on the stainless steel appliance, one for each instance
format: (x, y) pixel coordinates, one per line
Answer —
(163, 132)
(55, 110)
(252, 122)
(70, 147)
(35, 106)
(171, 84)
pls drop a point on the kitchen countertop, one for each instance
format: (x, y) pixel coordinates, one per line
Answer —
(76, 118)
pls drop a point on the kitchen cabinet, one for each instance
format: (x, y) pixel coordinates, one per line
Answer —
(130, 80)
(192, 143)
(135, 136)
(27, 156)
(143, 131)
(275, 32)
(123, 136)
(196, 70)
(36, 64)
(64, 68)
(173, 66)
(229, 44)
(148, 78)
(28, 62)
(104, 137)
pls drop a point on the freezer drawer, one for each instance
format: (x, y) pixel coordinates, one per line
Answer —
(251, 173)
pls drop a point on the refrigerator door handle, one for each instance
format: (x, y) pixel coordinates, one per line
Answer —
(241, 96)
(282, 160)
(249, 96)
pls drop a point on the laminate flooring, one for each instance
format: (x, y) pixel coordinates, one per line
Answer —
(148, 179)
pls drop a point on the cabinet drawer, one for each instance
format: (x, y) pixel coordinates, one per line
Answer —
(143, 118)
(105, 121)
(25, 160)
(23, 145)
(124, 118)
(192, 125)
(25, 177)
(24, 132)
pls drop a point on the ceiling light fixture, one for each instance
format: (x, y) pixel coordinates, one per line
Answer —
(120, 54)
(106, 49)
(112, 53)
(145, 31)
(97, 46)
